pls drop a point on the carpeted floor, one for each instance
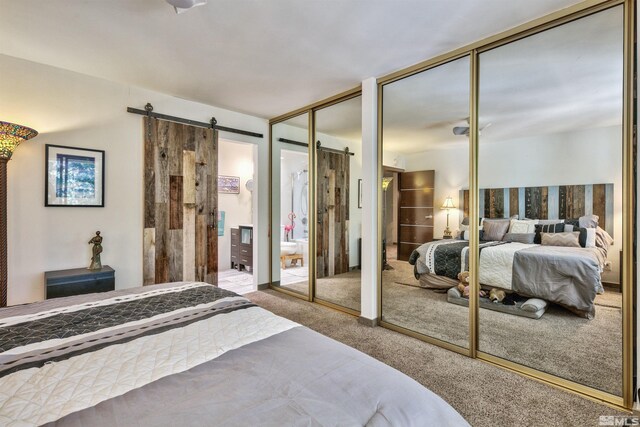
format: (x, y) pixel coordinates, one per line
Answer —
(484, 394)
(585, 351)
(342, 289)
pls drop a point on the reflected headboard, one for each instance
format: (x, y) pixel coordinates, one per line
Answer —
(552, 202)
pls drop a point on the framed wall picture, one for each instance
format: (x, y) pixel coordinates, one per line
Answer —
(228, 184)
(74, 177)
(360, 193)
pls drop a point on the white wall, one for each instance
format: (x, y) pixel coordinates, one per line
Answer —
(590, 156)
(234, 159)
(77, 110)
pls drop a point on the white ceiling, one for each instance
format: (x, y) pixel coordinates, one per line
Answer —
(262, 57)
(562, 80)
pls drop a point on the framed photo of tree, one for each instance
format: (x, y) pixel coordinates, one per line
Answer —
(74, 177)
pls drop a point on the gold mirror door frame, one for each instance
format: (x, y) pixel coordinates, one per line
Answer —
(289, 137)
(312, 197)
(628, 193)
(333, 206)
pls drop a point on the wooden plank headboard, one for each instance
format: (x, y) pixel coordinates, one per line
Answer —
(552, 202)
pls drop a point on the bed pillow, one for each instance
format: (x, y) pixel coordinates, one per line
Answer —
(465, 221)
(590, 241)
(585, 238)
(523, 226)
(464, 235)
(588, 221)
(573, 221)
(495, 229)
(550, 221)
(519, 237)
(547, 228)
(561, 239)
(568, 228)
(533, 305)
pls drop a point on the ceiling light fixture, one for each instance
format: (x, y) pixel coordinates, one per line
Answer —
(184, 5)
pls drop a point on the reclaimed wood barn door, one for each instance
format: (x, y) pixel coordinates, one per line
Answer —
(333, 214)
(180, 203)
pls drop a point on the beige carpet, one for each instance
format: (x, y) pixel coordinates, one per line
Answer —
(342, 289)
(485, 395)
(585, 351)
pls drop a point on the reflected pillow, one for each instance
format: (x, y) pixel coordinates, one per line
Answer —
(495, 229)
(590, 241)
(519, 237)
(547, 228)
(561, 239)
(523, 226)
(588, 221)
(464, 235)
(550, 221)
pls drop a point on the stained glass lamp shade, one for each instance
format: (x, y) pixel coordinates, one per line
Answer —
(11, 135)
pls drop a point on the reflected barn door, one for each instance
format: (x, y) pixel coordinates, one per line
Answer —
(180, 203)
(415, 211)
(333, 214)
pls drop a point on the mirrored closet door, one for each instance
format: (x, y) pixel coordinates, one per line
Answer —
(338, 144)
(425, 143)
(550, 195)
(290, 204)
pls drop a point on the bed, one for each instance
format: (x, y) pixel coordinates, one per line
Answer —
(568, 276)
(190, 353)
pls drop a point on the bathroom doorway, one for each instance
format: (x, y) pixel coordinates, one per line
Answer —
(294, 220)
(236, 205)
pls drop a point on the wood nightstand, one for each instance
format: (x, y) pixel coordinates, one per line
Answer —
(77, 281)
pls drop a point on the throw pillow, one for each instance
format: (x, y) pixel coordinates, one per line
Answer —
(494, 230)
(588, 221)
(519, 237)
(523, 226)
(547, 228)
(561, 239)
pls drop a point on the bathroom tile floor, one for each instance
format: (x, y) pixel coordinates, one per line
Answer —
(241, 282)
(236, 281)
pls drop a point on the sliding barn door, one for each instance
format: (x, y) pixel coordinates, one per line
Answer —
(333, 214)
(180, 203)
(415, 213)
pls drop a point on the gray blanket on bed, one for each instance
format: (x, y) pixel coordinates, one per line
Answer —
(566, 276)
(191, 354)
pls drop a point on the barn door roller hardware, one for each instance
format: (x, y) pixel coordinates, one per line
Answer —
(318, 145)
(213, 124)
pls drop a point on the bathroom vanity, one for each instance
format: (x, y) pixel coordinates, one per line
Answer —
(242, 247)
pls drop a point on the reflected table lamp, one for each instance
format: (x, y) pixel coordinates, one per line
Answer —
(448, 205)
(11, 135)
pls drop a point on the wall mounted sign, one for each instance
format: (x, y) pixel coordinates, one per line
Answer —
(228, 184)
(74, 177)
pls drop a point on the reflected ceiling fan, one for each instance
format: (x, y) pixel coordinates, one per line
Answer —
(464, 130)
(181, 6)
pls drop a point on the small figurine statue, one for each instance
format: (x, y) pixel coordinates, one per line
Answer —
(96, 240)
